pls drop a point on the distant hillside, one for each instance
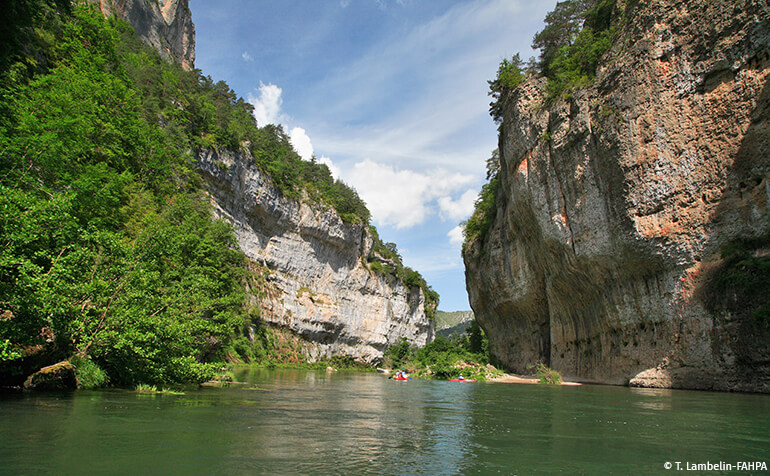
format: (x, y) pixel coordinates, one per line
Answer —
(449, 323)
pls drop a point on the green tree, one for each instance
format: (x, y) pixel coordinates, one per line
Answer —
(509, 75)
(562, 26)
(577, 33)
(110, 253)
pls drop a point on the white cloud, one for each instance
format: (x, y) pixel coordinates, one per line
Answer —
(267, 107)
(420, 94)
(456, 235)
(301, 143)
(335, 171)
(246, 56)
(457, 209)
(402, 198)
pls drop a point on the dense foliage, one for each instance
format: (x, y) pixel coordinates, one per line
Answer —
(110, 255)
(577, 33)
(444, 358)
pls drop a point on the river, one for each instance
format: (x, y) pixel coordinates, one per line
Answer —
(293, 421)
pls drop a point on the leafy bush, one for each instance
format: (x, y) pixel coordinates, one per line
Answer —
(88, 374)
(396, 355)
(485, 208)
(484, 212)
(545, 374)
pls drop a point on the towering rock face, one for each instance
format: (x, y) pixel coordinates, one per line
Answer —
(605, 259)
(310, 266)
(166, 25)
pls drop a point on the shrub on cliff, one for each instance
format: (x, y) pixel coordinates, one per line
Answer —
(576, 35)
(384, 258)
(485, 207)
(276, 157)
(509, 75)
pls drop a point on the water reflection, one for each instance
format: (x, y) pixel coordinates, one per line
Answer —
(351, 422)
(287, 421)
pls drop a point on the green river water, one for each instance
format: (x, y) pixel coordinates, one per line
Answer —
(292, 421)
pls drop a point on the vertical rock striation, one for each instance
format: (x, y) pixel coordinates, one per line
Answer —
(317, 282)
(615, 205)
(166, 25)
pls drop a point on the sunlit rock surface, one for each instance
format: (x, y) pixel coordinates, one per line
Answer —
(615, 206)
(166, 25)
(309, 266)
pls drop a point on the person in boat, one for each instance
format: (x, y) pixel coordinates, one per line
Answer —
(460, 377)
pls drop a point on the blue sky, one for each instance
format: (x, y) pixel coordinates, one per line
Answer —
(391, 94)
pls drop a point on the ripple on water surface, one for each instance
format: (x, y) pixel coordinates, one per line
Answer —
(288, 421)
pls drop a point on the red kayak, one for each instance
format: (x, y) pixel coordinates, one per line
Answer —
(400, 378)
(461, 380)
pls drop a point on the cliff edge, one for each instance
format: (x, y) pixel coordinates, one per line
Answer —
(310, 267)
(165, 25)
(632, 225)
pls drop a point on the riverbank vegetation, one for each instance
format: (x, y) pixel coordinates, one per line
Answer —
(545, 374)
(445, 358)
(275, 347)
(110, 256)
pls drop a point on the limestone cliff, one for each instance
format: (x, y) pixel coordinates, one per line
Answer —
(310, 266)
(166, 25)
(316, 281)
(606, 254)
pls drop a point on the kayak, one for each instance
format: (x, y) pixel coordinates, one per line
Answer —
(461, 380)
(400, 378)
